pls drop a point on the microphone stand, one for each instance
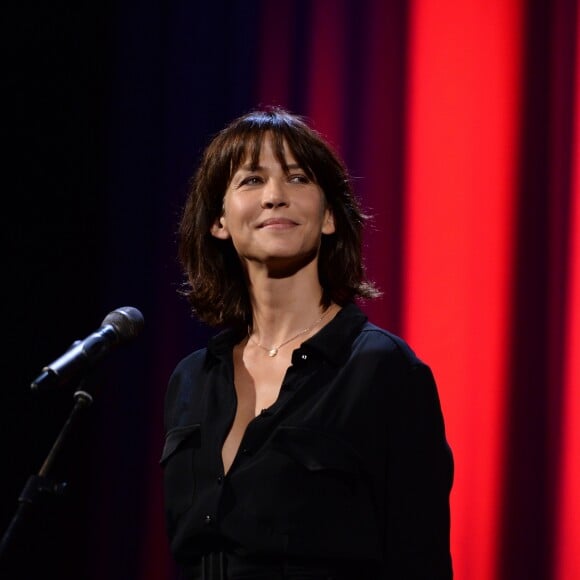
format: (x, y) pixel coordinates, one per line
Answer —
(40, 485)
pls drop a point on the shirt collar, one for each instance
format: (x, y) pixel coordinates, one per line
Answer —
(222, 343)
(333, 341)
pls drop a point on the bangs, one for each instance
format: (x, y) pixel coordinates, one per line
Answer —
(244, 143)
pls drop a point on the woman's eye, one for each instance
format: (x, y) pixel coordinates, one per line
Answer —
(251, 180)
(298, 178)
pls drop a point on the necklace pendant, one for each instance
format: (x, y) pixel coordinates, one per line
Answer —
(273, 352)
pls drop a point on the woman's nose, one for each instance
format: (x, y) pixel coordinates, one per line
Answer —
(274, 194)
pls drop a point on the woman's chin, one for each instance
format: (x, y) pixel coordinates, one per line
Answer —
(284, 264)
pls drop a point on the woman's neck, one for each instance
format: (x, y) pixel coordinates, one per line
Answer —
(283, 307)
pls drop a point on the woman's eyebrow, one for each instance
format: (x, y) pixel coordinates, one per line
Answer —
(251, 167)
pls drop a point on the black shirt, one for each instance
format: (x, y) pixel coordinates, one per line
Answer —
(350, 463)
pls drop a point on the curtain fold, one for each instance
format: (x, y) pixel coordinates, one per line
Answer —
(464, 101)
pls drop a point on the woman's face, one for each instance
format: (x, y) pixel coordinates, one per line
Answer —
(273, 217)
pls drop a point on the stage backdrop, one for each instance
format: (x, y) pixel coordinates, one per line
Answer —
(460, 123)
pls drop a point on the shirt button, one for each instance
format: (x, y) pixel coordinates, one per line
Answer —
(220, 479)
(304, 357)
(207, 520)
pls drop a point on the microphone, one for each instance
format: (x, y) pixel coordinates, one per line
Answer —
(119, 326)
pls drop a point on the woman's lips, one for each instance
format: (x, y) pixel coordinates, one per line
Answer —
(277, 223)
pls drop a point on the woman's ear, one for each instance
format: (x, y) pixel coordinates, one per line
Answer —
(328, 226)
(219, 229)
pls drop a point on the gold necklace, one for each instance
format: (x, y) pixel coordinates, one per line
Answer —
(273, 350)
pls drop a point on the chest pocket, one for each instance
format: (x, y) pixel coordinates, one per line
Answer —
(177, 460)
(318, 452)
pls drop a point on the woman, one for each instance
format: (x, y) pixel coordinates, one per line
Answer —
(303, 442)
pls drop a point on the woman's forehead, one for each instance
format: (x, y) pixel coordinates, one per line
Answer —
(258, 145)
(266, 146)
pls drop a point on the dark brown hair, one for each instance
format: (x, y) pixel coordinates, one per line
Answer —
(216, 285)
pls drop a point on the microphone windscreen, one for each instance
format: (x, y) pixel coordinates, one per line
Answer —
(127, 321)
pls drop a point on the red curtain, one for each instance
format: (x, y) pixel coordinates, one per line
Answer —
(567, 530)
(459, 121)
(463, 122)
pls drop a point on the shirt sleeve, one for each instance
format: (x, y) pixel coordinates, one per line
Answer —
(418, 482)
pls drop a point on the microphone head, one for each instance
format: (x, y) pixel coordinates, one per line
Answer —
(127, 321)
